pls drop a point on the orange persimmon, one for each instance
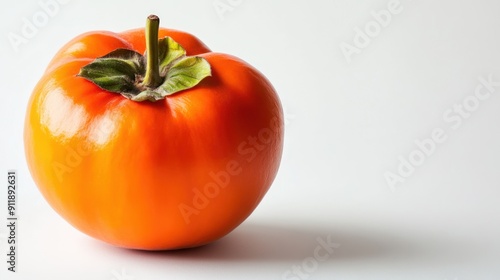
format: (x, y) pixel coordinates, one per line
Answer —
(167, 150)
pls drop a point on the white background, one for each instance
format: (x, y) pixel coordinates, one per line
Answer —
(347, 125)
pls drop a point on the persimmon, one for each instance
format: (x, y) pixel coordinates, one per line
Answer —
(170, 149)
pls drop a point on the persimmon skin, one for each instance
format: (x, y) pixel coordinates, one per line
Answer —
(123, 171)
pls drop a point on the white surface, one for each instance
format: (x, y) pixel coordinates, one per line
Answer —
(347, 123)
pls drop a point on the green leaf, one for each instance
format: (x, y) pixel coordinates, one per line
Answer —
(116, 71)
(169, 50)
(185, 73)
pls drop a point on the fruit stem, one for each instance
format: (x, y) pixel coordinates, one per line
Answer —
(152, 78)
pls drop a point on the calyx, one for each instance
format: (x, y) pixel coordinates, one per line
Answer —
(163, 70)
